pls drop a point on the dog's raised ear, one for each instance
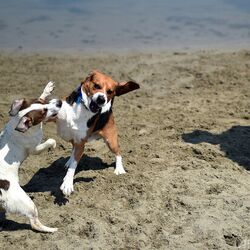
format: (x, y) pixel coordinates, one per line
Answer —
(24, 124)
(15, 107)
(125, 87)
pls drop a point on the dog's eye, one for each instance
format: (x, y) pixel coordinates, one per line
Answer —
(96, 86)
(109, 92)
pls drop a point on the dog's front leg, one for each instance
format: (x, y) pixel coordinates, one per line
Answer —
(67, 186)
(50, 143)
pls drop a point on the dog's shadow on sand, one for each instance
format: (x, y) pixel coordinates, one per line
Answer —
(10, 225)
(235, 142)
(51, 178)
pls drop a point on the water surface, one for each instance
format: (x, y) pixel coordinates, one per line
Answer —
(123, 24)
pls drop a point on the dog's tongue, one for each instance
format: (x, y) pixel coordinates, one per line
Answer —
(94, 107)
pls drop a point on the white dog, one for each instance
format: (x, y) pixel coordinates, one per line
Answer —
(22, 136)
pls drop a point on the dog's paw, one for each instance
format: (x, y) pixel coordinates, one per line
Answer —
(51, 143)
(47, 90)
(119, 170)
(67, 186)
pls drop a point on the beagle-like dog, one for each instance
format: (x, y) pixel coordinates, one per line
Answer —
(22, 136)
(86, 114)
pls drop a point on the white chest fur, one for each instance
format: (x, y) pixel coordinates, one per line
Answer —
(72, 121)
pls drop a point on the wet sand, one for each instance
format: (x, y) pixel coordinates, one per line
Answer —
(185, 138)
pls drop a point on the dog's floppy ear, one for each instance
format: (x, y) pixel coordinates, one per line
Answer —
(24, 124)
(72, 97)
(125, 87)
(15, 107)
(85, 83)
(89, 77)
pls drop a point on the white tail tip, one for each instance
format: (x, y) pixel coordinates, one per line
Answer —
(38, 226)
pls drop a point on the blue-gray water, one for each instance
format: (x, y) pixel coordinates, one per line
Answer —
(123, 24)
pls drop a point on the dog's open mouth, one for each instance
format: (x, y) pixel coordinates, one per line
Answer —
(94, 107)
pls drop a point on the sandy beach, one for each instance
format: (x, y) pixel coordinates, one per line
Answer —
(185, 138)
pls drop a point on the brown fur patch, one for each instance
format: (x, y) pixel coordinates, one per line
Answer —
(36, 116)
(27, 103)
(4, 184)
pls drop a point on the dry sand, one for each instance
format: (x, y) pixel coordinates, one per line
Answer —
(185, 137)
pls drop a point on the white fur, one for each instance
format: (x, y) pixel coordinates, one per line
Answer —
(119, 169)
(72, 121)
(14, 149)
(47, 90)
(106, 107)
(85, 99)
(67, 186)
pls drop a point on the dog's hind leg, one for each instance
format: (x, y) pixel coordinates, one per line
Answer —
(110, 136)
(17, 201)
(50, 143)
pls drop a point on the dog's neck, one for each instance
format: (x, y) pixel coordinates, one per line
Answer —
(82, 98)
(15, 147)
(24, 141)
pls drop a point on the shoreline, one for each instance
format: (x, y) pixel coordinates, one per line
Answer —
(124, 51)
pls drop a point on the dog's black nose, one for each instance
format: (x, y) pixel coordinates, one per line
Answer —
(59, 103)
(100, 100)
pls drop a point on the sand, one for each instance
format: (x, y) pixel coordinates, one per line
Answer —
(185, 138)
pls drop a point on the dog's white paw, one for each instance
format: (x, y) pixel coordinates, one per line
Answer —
(47, 90)
(119, 170)
(51, 143)
(67, 186)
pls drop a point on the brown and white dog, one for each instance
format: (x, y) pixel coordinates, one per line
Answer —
(85, 115)
(22, 136)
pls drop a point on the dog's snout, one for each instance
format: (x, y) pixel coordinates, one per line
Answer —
(59, 103)
(100, 100)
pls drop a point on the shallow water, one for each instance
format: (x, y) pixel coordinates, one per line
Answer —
(123, 25)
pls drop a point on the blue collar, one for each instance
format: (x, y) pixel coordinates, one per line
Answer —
(79, 96)
(79, 99)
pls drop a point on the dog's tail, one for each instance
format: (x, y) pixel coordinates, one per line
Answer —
(38, 226)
